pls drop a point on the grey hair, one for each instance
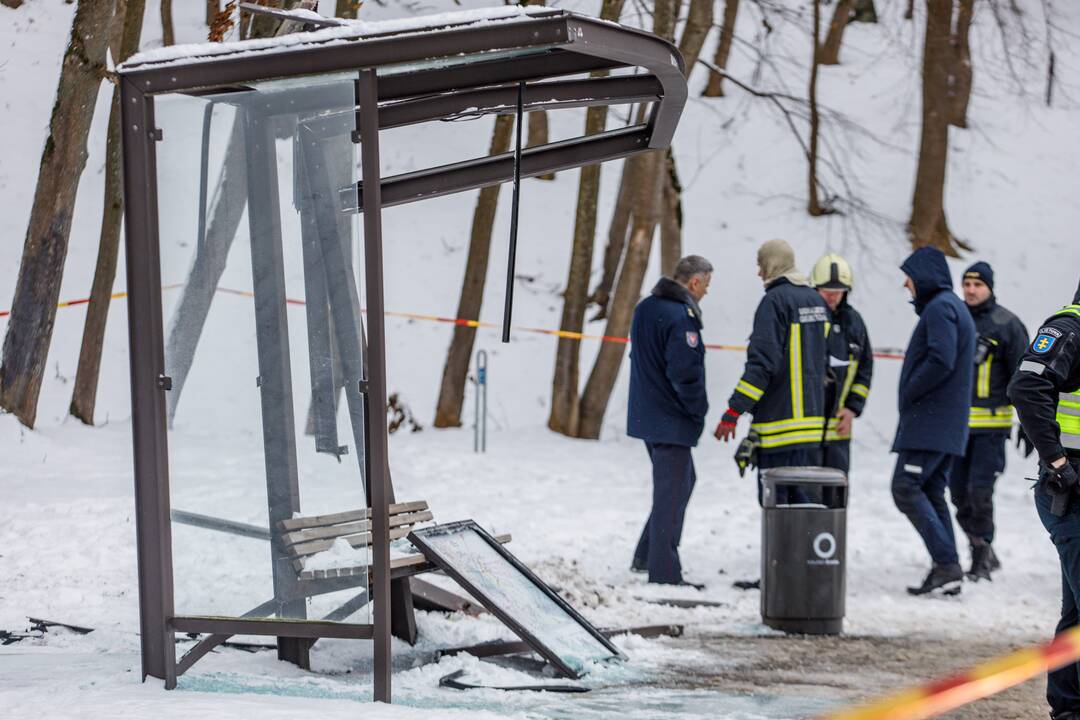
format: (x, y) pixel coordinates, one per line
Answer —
(690, 266)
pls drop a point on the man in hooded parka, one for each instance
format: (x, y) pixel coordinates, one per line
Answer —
(935, 400)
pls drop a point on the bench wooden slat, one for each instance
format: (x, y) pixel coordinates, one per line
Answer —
(400, 563)
(348, 516)
(357, 541)
(298, 537)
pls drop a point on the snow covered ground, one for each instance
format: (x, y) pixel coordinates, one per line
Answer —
(573, 507)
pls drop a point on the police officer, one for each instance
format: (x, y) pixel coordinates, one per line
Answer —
(1001, 342)
(934, 398)
(1046, 393)
(783, 382)
(851, 359)
(667, 407)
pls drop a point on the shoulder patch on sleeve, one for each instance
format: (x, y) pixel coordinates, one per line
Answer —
(1050, 330)
(692, 338)
(1044, 342)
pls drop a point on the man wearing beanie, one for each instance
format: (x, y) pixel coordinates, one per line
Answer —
(935, 394)
(783, 383)
(1001, 343)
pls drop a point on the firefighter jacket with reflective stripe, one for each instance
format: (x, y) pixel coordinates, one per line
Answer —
(1002, 341)
(783, 383)
(938, 370)
(851, 364)
(1046, 386)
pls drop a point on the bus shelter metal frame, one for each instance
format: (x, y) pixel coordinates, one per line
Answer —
(542, 55)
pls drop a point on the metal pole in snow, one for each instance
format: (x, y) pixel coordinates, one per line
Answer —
(480, 424)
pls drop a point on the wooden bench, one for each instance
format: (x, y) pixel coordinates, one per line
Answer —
(305, 537)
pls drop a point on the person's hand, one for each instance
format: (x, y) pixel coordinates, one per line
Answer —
(726, 429)
(845, 418)
(1060, 462)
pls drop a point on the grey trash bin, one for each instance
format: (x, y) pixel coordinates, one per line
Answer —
(802, 552)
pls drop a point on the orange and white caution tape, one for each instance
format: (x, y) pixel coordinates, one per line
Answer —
(989, 678)
(887, 354)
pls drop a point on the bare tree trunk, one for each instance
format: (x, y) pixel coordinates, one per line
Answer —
(537, 134)
(594, 399)
(715, 87)
(864, 11)
(168, 35)
(33, 310)
(671, 217)
(11, 3)
(564, 385)
(647, 187)
(129, 16)
(699, 20)
(212, 10)
(814, 204)
(456, 370)
(928, 225)
(617, 231)
(830, 51)
(962, 70)
(347, 9)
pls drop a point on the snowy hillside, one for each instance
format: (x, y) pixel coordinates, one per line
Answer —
(66, 526)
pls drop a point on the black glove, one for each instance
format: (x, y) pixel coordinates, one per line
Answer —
(1022, 440)
(1059, 483)
(747, 451)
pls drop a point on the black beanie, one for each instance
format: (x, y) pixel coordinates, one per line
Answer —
(981, 271)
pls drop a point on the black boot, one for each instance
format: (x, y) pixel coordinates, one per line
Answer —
(1065, 715)
(981, 566)
(946, 578)
(995, 564)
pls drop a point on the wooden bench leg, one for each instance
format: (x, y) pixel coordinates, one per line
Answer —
(296, 651)
(402, 616)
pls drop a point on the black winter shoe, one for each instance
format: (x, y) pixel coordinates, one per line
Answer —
(947, 578)
(1065, 715)
(981, 566)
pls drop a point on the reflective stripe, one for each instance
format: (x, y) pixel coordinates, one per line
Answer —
(1069, 399)
(791, 438)
(860, 389)
(1070, 424)
(1070, 441)
(779, 426)
(749, 390)
(999, 417)
(1069, 310)
(913, 469)
(795, 368)
(831, 435)
(1032, 367)
(849, 379)
(982, 387)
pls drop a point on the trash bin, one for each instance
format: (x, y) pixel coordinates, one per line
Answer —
(802, 552)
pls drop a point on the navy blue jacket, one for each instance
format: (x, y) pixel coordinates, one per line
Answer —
(783, 382)
(667, 368)
(1000, 345)
(939, 365)
(853, 358)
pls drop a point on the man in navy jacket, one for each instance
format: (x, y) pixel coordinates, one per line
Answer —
(667, 407)
(935, 397)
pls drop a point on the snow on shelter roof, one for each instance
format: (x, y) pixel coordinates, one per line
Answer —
(341, 32)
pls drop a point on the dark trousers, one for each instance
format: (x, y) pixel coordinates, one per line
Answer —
(787, 494)
(1063, 684)
(838, 455)
(918, 489)
(673, 481)
(972, 483)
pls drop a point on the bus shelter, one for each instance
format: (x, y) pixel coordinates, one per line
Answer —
(291, 128)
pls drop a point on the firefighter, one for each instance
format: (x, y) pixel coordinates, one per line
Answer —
(783, 383)
(999, 345)
(1046, 393)
(851, 358)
